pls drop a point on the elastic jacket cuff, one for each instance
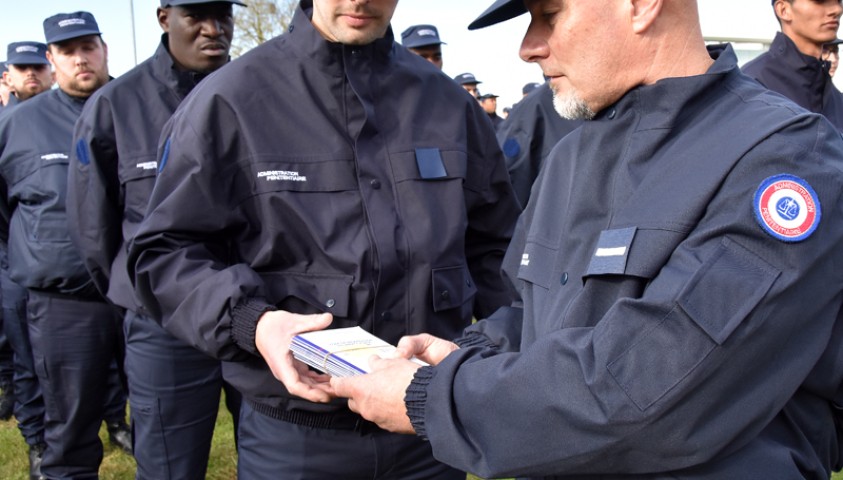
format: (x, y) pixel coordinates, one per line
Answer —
(244, 323)
(415, 399)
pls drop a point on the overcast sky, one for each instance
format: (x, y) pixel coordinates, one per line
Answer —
(491, 54)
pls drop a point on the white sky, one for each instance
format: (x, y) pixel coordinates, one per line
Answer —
(491, 54)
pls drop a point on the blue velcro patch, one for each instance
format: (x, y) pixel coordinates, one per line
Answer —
(82, 152)
(511, 148)
(612, 251)
(430, 163)
(165, 156)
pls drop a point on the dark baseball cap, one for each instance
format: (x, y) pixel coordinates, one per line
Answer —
(64, 26)
(487, 96)
(529, 87)
(500, 11)
(176, 3)
(420, 36)
(27, 53)
(466, 78)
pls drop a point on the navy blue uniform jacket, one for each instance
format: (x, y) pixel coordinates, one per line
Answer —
(665, 332)
(35, 143)
(108, 192)
(528, 134)
(316, 177)
(799, 77)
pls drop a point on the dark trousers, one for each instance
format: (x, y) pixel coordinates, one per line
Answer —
(174, 393)
(7, 362)
(74, 342)
(29, 404)
(117, 394)
(271, 449)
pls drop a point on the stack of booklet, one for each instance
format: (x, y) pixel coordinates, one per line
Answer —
(340, 352)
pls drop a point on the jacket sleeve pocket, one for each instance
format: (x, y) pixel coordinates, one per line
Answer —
(718, 297)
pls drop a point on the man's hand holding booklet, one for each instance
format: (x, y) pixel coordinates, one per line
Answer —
(341, 352)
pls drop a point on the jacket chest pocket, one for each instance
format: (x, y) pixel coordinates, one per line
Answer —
(137, 180)
(309, 293)
(42, 195)
(536, 273)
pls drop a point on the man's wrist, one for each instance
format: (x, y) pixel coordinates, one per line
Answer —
(244, 322)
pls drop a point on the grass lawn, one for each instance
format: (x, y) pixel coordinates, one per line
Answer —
(118, 466)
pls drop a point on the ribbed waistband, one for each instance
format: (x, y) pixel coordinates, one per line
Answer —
(340, 420)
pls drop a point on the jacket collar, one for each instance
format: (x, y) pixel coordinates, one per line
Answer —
(660, 104)
(177, 80)
(330, 54)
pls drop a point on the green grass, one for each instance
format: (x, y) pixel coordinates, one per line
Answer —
(116, 465)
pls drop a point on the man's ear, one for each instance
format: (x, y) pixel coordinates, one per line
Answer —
(164, 19)
(783, 11)
(644, 13)
(50, 57)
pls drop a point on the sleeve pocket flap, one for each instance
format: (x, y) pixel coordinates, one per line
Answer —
(726, 289)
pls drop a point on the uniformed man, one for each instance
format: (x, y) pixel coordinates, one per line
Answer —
(423, 40)
(678, 269)
(29, 73)
(831, 54)
(530, 131)
(365, 187)
(74, 332)
(489, 102)
(469, 83)
(5, 89)
(174, 389)
(794, 65)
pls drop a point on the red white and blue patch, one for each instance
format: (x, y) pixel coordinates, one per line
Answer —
(787, 208)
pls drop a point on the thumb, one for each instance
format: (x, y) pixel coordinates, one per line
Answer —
(340, 387)
(317, 321)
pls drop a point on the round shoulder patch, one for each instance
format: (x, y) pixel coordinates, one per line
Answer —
(787, 208)
(511, 148)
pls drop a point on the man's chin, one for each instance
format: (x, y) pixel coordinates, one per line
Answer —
(87, 87)
(569, 106)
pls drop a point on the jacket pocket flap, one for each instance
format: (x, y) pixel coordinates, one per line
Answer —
(324, 292)
(726, 289)
(537, 264)
(452, 287)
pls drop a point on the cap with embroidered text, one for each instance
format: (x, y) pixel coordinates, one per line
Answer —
(420, 36)
(176, 3)
(65, 26)
(500, 11)
(27, 53)
(466, 79)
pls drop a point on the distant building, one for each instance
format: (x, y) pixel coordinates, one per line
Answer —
(745, 48)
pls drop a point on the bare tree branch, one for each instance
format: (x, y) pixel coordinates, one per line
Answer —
(260, 21)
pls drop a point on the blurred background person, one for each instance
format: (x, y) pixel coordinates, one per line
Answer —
(423, 40)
